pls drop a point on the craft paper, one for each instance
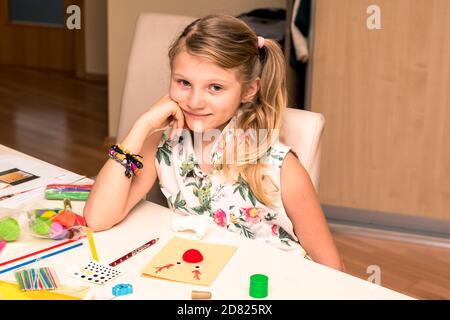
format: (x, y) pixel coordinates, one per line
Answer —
(96, 273)
(22, 177)
(11, 291)
(189, 261)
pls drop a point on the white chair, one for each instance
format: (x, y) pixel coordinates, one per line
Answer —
(147, 80)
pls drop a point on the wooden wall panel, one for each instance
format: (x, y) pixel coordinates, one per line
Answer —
(385, 95)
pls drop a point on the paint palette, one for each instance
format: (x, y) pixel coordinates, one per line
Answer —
(96, 273)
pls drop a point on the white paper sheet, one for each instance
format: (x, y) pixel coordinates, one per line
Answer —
(45, 174)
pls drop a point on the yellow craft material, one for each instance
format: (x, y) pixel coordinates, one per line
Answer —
(48, 214)
(203, 261)
(11, 291)
(92, 244)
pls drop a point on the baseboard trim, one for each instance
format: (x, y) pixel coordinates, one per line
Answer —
(383, 221)
(365, 232)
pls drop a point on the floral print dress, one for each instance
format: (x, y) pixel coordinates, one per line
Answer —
(233, 206)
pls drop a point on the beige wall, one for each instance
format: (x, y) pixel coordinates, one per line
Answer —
(96, 37)
(385, 95)
(122, 16)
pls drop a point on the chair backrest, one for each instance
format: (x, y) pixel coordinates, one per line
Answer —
(147, 80)
(302, 130)
(148, 71)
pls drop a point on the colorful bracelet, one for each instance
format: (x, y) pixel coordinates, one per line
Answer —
(131, 162)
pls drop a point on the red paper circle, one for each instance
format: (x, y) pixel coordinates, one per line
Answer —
(192, 256)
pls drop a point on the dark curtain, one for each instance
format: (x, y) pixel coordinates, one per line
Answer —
(302, 21)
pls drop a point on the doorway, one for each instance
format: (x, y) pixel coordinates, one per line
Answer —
(34, 34)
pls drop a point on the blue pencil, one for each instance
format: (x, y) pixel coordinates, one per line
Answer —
(41, 258)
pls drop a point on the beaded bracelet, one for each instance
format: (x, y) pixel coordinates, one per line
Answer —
(131, 162)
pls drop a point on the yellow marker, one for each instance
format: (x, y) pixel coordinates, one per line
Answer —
(92, 244)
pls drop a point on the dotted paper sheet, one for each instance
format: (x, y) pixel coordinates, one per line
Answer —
(96, 273)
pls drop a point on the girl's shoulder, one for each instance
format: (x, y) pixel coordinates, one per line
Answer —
(276, 154)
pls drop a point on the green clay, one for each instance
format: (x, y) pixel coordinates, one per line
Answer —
(41, 227)
(9, 229)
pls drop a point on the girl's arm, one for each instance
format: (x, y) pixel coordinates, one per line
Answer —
(113, 194)
(303, 208)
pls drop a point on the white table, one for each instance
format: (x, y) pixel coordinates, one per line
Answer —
(290, 276)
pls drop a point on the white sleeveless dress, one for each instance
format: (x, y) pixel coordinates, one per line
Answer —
(233, 206)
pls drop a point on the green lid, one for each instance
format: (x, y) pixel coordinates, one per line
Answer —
(259, 284)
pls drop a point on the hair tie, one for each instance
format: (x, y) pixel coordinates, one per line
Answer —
(260, 42)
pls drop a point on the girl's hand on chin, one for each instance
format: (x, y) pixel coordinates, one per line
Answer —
(160, 114)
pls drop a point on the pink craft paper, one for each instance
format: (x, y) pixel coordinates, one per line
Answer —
(2, 245)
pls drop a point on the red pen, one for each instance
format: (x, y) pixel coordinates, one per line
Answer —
(134, 252)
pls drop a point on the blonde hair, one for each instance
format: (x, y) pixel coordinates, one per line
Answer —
(230, 43)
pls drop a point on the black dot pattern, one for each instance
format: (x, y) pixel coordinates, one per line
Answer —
(97, 273)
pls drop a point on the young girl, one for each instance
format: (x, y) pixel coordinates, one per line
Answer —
(229, 83)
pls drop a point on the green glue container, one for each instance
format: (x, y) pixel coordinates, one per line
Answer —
(259, 284)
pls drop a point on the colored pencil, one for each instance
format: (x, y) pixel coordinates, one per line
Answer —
(92, 244)
(37, 252)
(41, 258)
(133, 253)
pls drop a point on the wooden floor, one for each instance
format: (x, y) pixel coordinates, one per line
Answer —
(420, 271)
(54, 117)
(64, 121)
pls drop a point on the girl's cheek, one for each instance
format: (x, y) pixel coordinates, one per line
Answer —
(175, 94)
